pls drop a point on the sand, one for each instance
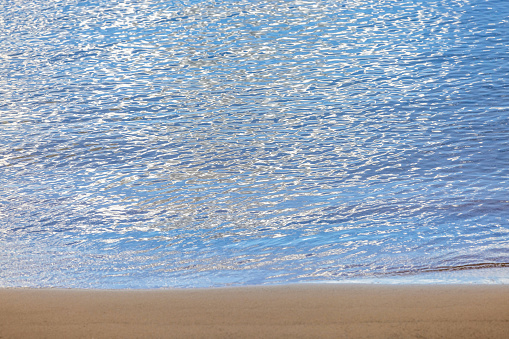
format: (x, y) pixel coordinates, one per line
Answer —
(292, 311)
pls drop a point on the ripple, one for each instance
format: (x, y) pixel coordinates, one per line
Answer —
(154, 144)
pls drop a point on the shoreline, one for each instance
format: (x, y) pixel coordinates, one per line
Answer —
(296, 311)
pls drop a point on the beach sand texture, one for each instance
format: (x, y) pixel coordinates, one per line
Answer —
(292, 311)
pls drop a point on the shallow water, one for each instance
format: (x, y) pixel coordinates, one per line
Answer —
(212, 143)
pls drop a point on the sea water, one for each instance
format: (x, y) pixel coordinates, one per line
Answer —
(155, 143)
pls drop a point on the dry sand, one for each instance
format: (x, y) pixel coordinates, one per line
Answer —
(293, 311)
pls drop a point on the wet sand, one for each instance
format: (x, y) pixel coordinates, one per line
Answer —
(293, 311)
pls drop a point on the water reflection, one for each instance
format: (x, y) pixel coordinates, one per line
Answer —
(152, 143)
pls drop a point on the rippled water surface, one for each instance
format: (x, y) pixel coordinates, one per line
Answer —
(211, 143)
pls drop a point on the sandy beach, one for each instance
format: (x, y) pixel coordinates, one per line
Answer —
(293, 311)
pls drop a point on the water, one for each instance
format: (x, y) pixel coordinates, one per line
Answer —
(211, 143)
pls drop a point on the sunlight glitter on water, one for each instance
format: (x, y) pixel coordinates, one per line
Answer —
(211, 143)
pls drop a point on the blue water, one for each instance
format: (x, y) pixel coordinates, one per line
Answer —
(212, 143)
